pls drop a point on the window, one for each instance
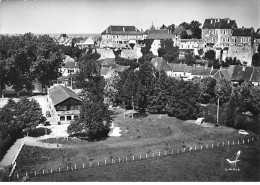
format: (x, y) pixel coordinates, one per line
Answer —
(68, 118)
(224, 31)
(62, 118)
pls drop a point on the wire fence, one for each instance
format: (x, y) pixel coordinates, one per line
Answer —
(134, 158)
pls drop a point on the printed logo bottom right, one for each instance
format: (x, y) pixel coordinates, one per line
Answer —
(233, 164)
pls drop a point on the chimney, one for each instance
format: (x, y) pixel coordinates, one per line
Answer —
(228, 20)
(218, 20)
(211, 21)
(123, 28)
(242, 27)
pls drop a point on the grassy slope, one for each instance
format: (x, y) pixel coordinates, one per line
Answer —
(145, 135)
(205, 165)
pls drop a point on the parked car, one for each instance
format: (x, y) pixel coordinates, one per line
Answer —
(243, 132)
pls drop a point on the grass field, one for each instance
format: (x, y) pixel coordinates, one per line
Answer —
(150, 134)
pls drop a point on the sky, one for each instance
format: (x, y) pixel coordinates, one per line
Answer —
(94, 16)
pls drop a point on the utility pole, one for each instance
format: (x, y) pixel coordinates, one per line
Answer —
(217, 110)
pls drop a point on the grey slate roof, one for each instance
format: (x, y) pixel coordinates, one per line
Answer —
(121, 30)
(159, 34)
(221, 24)
(177, 67)
(245, 32)
(256, 75)
(60, 93)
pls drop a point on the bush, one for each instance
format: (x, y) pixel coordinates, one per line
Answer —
(39, 132)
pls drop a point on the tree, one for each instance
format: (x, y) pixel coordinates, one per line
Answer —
(3, 76)
(146, 77)
(207, 86)
(223, 90)
(110, 90)
(171, 55)
(157, 99)
(171, 28)
(161, 52)
(256, 59)
(146, 58)
(251, 98)
(163, 27)
(22, 116)
(130, 90)
(146, 49)
(185, 25)
(183, 98)
(210, 55)
(196, 30)
(94, 121)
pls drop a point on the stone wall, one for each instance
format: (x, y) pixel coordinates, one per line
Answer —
(243, 53)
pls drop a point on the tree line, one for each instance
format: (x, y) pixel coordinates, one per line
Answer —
(25, 58)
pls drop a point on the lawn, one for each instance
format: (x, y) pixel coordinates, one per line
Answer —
(149, 134)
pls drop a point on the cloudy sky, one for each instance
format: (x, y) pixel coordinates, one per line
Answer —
(89, 16)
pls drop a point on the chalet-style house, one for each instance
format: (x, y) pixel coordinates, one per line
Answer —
(114, 36)
(65, 104)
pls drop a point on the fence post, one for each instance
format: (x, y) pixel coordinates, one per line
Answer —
(98, 162)
(212, 145)
(153, 154)
(165, 153)
(35, 173)
(257, 138)
(17, 175)
(243, 141)
(200, 147)
(51, 170)
(248, 140)
(67, 168)
(195, 148)
(133, 157)
(207, 145)
(228, 143)
(140, 156)
(146, 156)
(83, 165)
(126, 159)
(233, 142)
(159, 154)
(59, 169)
(172, 151)
(252, 139)
(238, 141)
(75, 166)
(43, 172)
(223, 143)
(105, 162)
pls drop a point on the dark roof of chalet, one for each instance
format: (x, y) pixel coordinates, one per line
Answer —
(178, 30)
(201, 71)
(189, 69)
(109, 62)
(120, 68)
(256, 75)
(245, 32)
(219, 24)
(237, 73)
(159, 34)
(257, 34)
(70, 64)
(247, 73)
(121, 30)
(60, 93)
(178, 67)
(213, 72)
(160, 64)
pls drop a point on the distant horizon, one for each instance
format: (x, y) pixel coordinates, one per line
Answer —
(93, 17)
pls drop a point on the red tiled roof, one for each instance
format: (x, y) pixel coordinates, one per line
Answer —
(60, 93)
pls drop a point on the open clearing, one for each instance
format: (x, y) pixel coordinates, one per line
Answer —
(150, 134)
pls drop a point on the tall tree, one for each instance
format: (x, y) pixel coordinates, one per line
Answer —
(207, 87)
(223, 90)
